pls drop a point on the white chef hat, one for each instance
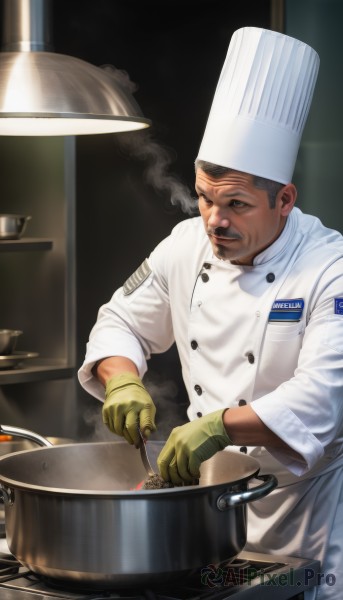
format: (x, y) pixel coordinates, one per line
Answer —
(261, 104)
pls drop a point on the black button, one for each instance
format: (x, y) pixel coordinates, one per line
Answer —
(194, 344)
(198, 389)
(242, 402)
(207, 266)
(243, 449)
(270, 277)
(251, 358)
(199, 414)
(204, 277)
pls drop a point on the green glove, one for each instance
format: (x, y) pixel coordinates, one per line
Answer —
(189, 445)
(128, 405)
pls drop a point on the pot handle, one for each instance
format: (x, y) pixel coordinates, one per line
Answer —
(25, 433)
(234, 499)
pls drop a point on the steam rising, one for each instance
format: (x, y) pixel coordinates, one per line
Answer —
(142, 146)
(98, 432)
(158, 159)
(122, 79)
(165, 396)
(169, 413)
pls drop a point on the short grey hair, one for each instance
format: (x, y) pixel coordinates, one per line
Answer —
(262, 183)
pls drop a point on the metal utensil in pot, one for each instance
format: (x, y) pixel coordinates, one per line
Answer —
(144, 455)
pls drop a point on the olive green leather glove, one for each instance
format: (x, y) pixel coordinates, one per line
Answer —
(191, 444)
(128, 405)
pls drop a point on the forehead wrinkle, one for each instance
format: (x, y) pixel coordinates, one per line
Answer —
(232, 194)
(236, 193)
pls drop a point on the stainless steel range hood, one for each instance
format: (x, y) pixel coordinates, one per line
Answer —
(46, 93)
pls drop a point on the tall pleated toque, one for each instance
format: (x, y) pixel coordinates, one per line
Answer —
(261, 104)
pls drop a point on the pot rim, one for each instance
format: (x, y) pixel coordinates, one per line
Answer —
(7, 482)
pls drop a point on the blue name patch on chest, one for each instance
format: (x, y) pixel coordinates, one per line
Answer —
(287, 310)
(338, 306)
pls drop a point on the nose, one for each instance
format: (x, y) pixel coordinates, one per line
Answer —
(218, 218)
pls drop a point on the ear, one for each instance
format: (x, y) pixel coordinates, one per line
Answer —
(287, 197)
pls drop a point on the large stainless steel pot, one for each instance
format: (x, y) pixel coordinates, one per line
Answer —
(72, 513)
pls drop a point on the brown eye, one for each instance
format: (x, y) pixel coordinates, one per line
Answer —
(237, 204)
(206, 200)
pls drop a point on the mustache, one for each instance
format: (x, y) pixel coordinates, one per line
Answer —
(223, 233)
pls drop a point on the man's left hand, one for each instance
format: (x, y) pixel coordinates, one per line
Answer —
(191, 444)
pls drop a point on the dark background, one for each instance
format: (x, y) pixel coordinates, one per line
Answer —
(173, 51)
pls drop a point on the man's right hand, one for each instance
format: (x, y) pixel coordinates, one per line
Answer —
(128, 405)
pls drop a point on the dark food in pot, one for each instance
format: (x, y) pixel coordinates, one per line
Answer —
(155, 482)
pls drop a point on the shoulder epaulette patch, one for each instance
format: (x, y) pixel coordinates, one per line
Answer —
(137, 278)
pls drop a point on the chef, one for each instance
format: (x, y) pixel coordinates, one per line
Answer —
(251, 292)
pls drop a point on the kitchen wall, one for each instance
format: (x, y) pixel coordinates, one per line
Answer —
(319, 165)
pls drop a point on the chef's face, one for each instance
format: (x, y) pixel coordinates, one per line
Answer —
(237, 215)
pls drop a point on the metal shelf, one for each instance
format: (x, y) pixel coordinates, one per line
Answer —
(25, 244)
(43, 370)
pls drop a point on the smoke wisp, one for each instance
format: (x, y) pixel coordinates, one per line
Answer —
(158, 161)
(169, 411)
(158, 158)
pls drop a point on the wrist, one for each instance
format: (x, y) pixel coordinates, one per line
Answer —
(112, 366)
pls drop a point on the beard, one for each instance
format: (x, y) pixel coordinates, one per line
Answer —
(220, 250)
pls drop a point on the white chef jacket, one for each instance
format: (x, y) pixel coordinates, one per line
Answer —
(270, 335)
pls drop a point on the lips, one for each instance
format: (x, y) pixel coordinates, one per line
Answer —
(222, 239)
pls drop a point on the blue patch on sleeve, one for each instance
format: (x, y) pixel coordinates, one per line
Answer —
(338, 306)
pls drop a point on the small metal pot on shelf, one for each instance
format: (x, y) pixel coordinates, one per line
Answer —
(9, 356)
(13, 226)
(8, 340)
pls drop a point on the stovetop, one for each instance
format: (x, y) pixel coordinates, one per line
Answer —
(251, 576)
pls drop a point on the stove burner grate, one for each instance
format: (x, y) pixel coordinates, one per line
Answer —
(209, 582)
(8, 566)
(241, 577)
(214, 581)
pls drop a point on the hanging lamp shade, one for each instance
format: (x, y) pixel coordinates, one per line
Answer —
(46, 93)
